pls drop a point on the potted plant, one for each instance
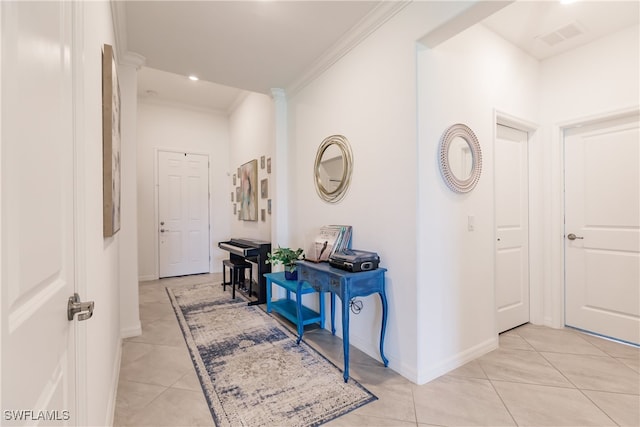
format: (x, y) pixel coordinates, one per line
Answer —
(288, 258)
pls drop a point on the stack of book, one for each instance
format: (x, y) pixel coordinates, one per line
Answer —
(328, 240)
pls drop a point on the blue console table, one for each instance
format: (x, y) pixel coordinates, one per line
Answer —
(290, 309)
(324, 278)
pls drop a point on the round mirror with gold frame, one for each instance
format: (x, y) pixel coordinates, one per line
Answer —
(460, 158)
(333, 168)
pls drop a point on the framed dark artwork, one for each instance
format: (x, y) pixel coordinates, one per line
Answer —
(110, 144)
(249, 191)
(269, 206)
(232, 196)
(269, 165)
(237, 194)
(262, 162)
(263, 216)
(234, 179)
(264, 189)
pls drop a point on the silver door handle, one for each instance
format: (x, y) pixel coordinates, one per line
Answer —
(75, 306)
(162, 230)
(572, 236)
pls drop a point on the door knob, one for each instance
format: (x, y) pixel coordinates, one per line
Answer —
(75, 306)
(572, 236)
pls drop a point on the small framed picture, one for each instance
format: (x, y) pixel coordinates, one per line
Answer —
(234, 179)
(269, 165)
(238, 172)
(269, 206)
(238, 194)
(263, 215)
(264, 189)
(235, 209)
(262, 162)
(232, 196)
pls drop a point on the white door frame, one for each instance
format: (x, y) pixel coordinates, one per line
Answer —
(156, 201)
(536, 301)
(557, 241)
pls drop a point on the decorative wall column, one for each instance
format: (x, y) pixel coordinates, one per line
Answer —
(128, 236)
(280, 172)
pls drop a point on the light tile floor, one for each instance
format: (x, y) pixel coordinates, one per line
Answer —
(538, 377)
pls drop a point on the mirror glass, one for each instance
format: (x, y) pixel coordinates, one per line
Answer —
(460, 160)
(333, 168)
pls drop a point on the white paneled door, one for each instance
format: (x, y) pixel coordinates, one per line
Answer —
(602, 228)
(37, 230)
(183, 214)
(512, 228)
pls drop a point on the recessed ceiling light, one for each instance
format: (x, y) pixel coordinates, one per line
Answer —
(193, 78)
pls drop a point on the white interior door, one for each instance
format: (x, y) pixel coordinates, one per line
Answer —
(183, 213)
(512, 228)
(602, 211)
(37, 228)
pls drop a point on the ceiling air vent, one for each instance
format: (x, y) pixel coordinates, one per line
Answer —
(561, 34)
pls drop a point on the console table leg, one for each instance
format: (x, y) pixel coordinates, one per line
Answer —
(299, 312)
(333, 313)
(383, 298)
(345, 338)
(268, 295)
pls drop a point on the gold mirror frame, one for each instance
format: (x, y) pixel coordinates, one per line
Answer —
(452, 181)
(347, 167)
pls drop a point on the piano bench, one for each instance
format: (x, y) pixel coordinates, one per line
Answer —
(237, 270)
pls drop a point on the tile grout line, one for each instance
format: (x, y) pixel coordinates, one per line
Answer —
(576, 386)
(515, 422)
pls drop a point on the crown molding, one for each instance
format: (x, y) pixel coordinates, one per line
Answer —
(374, 20)
(134, 59)
(181, 106)
(237, 102)
(122, 53)
(119, 19)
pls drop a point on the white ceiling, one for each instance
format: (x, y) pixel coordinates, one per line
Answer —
(259, 45)
(547, 28)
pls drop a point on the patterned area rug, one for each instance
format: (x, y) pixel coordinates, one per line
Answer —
(251, 370)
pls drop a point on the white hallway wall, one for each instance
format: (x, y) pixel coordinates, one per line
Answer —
(440, 284)
(251, 129)
(464, 80)
(180, 128)
(106, 265)
(369, 96)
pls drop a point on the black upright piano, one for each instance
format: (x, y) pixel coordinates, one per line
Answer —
(254, 251)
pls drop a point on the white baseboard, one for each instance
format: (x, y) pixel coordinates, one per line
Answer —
(147, 278)
(134, 331)
(458, 360)
(115, 376)
(373, 350)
